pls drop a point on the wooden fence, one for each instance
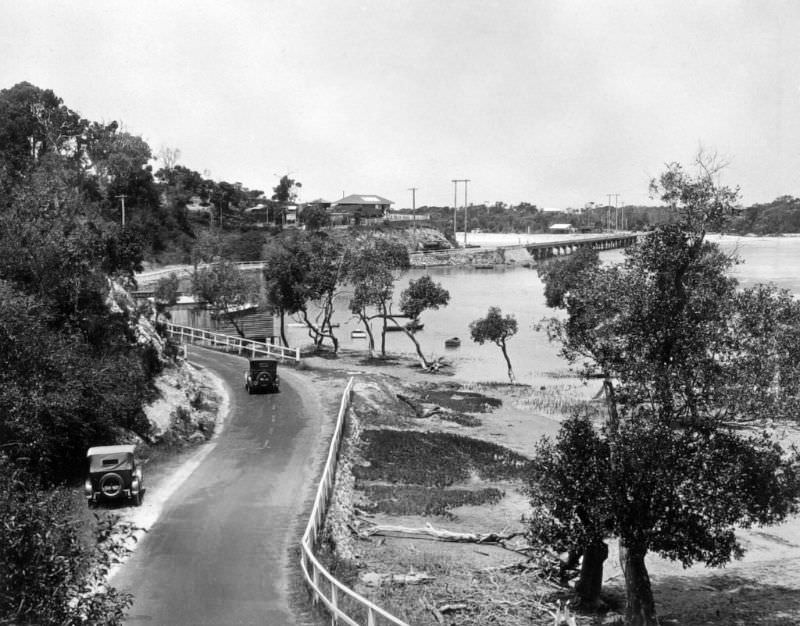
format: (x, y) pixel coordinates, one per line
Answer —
(325, 588)
(245, 347)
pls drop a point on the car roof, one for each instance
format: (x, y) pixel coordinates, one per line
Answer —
(263, 360)
(122, 449)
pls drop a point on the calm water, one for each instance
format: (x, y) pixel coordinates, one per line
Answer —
(518, 291)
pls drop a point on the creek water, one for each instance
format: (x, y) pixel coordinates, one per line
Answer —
(518, 291)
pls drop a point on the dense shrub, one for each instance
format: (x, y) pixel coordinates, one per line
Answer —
(49, 568)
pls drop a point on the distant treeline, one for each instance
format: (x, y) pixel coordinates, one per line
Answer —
(780, 216)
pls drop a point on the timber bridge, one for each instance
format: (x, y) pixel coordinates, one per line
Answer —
(532, 251)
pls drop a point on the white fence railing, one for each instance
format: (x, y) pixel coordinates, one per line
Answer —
(324, 587)
(243, 346)
(149, 276)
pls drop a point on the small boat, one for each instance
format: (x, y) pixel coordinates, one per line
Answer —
(414, 325)
(358, 334)
(392, 328)
(453, 342)
(484, 266)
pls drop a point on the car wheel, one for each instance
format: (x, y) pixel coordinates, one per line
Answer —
(111, 485)
(137, 499)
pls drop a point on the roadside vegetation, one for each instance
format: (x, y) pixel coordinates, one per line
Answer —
(687, 360)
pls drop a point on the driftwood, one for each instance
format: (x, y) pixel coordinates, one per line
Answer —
(440, 534)
(417, 411)
(373, 579)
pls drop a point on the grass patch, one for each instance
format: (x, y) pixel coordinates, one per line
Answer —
(462, 419)
(416, 500)
(434, 459)
(455, 398)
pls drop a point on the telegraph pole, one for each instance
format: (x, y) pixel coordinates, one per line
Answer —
(455, 202)
(466, 182)
(413, 191)
(122, 197)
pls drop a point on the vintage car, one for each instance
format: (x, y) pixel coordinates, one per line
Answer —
(114, 474)
(262, 375)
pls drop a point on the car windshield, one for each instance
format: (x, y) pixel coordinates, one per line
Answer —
(108, 462)
(263, 365)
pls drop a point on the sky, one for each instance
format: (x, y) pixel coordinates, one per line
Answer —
(556, 103)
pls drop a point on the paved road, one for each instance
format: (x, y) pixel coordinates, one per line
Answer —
(218, 553)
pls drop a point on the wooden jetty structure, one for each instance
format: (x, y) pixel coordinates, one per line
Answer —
(535, 251)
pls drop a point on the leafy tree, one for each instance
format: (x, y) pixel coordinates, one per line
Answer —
(286, 189)
(420, 295)
(225, 288)
(284, 268)
(304, 272)
(323, 278)
(571, 508)
(373, 265)
(497, 329)
(166, 294)
(674, 339)
(315, 217)
(35, 123)
(560, 275)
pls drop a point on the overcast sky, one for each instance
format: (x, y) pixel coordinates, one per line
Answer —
(554, 103)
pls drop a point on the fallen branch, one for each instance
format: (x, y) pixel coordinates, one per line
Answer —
(373, 579)
(436, 613)
(417, 411)
(441, 534)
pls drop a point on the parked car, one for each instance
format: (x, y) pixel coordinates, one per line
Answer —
(262, 375)
(114, 474)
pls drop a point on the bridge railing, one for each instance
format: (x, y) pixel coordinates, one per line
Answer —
(335, 596)
(254, 349)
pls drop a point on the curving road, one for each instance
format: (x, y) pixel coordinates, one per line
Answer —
(219, 552)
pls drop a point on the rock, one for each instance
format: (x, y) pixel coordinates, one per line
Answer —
(197, 437)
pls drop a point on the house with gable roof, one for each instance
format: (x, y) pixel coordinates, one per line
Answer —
(362, 209)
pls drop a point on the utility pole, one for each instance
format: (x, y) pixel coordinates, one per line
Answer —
(455, 202)
(413, 191)
(466, 182)
(122, 197)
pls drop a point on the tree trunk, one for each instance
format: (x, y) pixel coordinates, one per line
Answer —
(640, 609)
(370, 338)
(383, 329)
(590, 581)
(283, 328)
(232, 320)
(508, 363)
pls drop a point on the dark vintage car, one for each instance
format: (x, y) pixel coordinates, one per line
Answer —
(262, 375)
(114, 474)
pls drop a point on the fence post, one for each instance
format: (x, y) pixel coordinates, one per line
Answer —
(334, 604)
(315, 577)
